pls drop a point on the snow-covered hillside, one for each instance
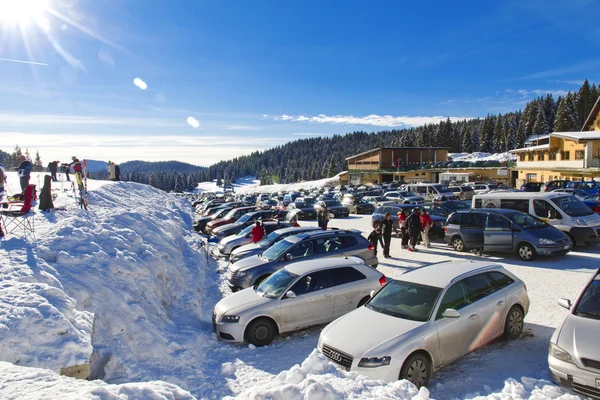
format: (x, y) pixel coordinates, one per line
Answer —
(477, 156)
(251, 185)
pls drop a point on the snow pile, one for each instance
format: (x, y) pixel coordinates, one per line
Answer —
(480, 156)
(317, 379)
(250, 185)
(32, 383)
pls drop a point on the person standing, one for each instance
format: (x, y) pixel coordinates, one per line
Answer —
(374, 238)
(111, 171)
(65, 170)
(387, 226)
(53, 168)
(426, 224)
(257, 232)
(77, 170)
(413, 223)
(323, 217)
(117, 172)
(402, 215)
(24, 170)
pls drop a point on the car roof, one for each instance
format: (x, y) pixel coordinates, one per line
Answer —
(300, 229)
(321, 232)
(442, 274)
(519, 194)
(303, 267)
(503, 211)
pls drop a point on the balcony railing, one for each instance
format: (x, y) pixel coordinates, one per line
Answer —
(593, 163)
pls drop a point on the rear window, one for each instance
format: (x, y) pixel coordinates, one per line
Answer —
(455, 219)
(466, 189)
(518, 204)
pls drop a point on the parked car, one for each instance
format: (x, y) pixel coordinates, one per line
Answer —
(268, 204)
(297, 296)
(200, 223)
(305, 210)
(462, 192)
(430, 191)
(245, 220)
(579, 193)
(445, 208)
(393, 209)
(375, 200)
(493, 230)
(591, 187)
(307, 199)
(404, 197)
(232, 216)
(305, 246)
(574, 354)
(358, 206)
(269, 240)
(556, 184)
(232, 242)
(532, 187)
(426, 319)
(484, 188)
(333, 207)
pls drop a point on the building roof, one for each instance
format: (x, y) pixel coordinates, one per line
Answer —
(397, 148)
(592, 116)
(536, 138)
(441, 275)
(578, 136)
(531, 148)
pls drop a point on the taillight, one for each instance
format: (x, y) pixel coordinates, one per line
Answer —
(371, 247)
(596, 209)
(445, 229)
(382, 280)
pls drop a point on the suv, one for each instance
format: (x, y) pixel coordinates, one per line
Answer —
(462, 192)
(491, 229)
(532, 187)
(305, 246)
(560, 184)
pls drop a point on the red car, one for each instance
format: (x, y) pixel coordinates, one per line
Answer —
(231, 217)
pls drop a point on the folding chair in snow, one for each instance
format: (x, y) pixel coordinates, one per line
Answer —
(19, 215)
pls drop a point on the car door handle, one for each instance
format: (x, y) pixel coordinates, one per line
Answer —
(327, 294)
(500, 302)
(472, 316)
(488, 235)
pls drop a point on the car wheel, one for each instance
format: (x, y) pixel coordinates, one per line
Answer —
(416, 370)
(363, 301)
(526, 252)
(458, 244)
(260, 279)
(513, 327)
(261, 332)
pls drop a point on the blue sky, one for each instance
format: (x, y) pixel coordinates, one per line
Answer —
(249, 75)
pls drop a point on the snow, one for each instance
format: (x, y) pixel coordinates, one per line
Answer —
(479, 156)
(132, 265)
(249, 185)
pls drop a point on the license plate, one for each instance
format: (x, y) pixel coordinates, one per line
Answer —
(597, 383)
(566, 247)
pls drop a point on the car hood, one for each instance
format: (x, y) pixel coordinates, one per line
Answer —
(239, 302)
(549, 232)
(376, 334)
(248, 262)
(579, 336)
(228, 239)
(219, 222)
(247, 247)
(227, 227)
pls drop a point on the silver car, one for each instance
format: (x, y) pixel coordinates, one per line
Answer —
(574, 354)
(404, 197)
(305, 246)
(301, 294)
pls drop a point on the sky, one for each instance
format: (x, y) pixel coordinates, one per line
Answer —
(203, 81)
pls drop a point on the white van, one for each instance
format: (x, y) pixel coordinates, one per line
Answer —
(563, 211)
(430, 191)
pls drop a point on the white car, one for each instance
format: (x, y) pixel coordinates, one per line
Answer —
(574, 353)
(428, 318)
(299, 295)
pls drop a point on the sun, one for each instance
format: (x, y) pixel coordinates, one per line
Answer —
(22, 12)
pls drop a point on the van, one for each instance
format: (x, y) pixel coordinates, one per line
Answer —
(431, 191)
(563, 211)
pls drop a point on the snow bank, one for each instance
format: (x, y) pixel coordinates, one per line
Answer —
(33, 383)
(251, 185)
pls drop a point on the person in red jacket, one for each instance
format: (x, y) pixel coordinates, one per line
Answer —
(426, 223)
(257, 232)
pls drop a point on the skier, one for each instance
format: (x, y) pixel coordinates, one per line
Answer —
(24, 170)
(77, 169)
(117, 172)
(53, 168)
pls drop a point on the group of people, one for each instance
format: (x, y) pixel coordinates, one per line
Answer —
(323, 217)
(412, 227)
(114, 172)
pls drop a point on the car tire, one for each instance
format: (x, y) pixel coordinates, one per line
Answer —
(363, 301)
(261, 332)
(526, 252)
(259, 280)
(416, 370)
(513, 327)
(458, 244)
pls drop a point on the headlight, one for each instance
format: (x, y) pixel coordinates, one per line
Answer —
(579, 221)
(232, 319)
(373, 362)
(241, 274)
(546, 241)
(560, 354)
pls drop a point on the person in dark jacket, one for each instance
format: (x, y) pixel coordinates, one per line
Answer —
(387, 226)
(65, 169)
(374, 238)
(414, 226)
(53, 168)
(323, 217)
(117, 173)
(46, 203)
(24, 170)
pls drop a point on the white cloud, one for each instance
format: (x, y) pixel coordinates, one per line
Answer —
(570, 82)
(373, 119)
(240, 127)
(140, 83)
(526, 93)
(193, 122)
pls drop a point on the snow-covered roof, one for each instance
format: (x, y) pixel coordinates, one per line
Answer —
(532, 148)
(536, 138)
(588, 135)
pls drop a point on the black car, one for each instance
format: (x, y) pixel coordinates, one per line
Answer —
(306, 211)
(333, 207)
(357, 206)
(445, 208)
(532, 187)
(557, 184)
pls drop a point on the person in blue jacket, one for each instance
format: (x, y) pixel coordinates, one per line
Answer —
(24, 170)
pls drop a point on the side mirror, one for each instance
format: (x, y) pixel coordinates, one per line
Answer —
(565, 303)
(372, 293)
(290, 295)
(450, 313)
(289, 257)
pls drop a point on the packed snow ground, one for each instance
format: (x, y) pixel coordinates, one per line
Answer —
(132, 263)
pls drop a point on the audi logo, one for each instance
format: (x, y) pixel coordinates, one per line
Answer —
(335, 356)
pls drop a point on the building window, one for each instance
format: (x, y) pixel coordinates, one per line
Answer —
(541, 156)
(522, 157)
(531, 177)
(531, 156)
(552, 156)
(579, 154)
(565, 155)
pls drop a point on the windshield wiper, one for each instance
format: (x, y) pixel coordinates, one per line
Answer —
(587, 314)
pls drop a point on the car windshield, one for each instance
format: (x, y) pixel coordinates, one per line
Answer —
(221, 213)
(244, 218)
(274, 285)
(331, 203)
(406, 300)
(572, 206)
(441, 188)
(589, 304)
(268, 239)
(301, 205)
(246, 231)
(456, 205)
(526, 221)
(277, 250)
(406, 194)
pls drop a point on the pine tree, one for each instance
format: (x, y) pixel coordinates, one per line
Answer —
(37, 164)
(498, 137)
(467, 142)
(540, 126)
(220, 182)
(584, 102)
(565, 120)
